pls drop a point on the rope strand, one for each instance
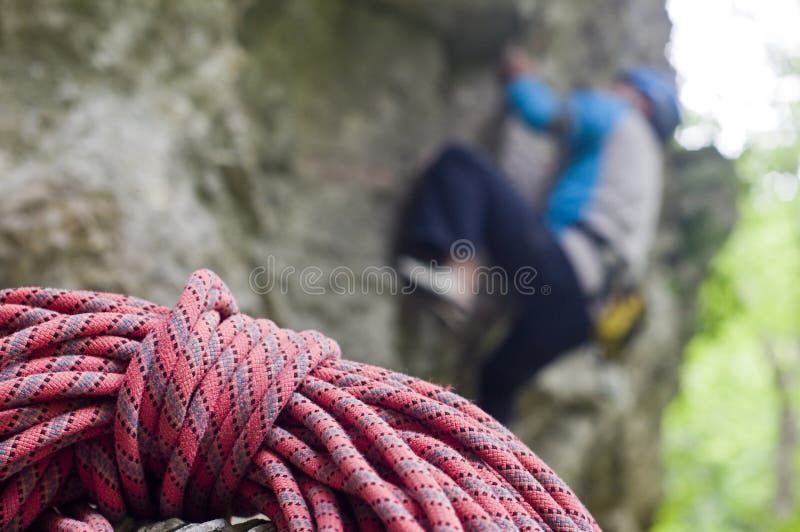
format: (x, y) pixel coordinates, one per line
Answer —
(113, 406)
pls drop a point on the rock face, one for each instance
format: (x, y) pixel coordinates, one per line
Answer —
(274, 140)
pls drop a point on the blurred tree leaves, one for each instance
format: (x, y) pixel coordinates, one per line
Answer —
(731, 446)
(722, 432)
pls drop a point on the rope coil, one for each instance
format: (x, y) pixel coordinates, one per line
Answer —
(112, 406)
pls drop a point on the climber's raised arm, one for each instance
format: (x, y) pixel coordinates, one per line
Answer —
(537, 103)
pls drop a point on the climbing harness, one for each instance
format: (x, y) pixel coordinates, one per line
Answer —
(620, 306)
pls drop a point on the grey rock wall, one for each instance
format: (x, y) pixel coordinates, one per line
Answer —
(140, 140)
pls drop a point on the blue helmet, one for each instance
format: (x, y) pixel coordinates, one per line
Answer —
(658, 86)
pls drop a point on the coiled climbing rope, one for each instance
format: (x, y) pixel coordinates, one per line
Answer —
(111, 406)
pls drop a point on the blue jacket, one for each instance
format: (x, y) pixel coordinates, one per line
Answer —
(611, 176)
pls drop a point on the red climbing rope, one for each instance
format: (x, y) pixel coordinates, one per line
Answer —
(113, 406)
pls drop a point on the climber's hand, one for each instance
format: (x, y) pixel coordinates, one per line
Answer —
(516, 63)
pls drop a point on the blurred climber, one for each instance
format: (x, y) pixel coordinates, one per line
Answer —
(589, 246)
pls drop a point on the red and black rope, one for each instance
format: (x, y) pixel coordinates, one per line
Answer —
(113, 406)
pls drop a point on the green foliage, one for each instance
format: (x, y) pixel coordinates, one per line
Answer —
(722, 432)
